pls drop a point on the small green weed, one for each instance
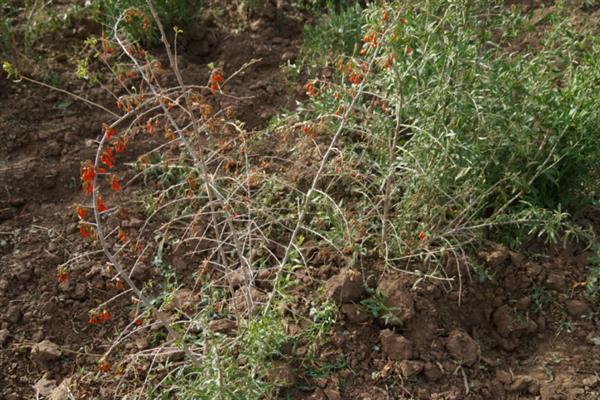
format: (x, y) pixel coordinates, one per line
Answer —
(375, 305)
(540, 298)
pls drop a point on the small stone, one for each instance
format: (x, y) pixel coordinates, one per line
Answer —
(577, 308)
(410, 369)
(463, 347)
(395, 347)
(45, 351)
(345, 287)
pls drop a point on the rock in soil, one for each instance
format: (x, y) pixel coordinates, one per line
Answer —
(45, 352)
(345, 287)
(463, 347)
(395, 347)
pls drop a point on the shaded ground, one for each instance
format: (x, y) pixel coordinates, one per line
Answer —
(520, 330)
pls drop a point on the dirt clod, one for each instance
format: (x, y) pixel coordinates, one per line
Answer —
(395, 347)
(555, 281)
(432, 372)
(355, 314)
(463, 347)
(345, 287)
(45, 352)
(410, 369)
(504, 321)
(577, 308)
(497, 257)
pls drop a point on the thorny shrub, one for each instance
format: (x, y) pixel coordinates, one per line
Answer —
(204, 193)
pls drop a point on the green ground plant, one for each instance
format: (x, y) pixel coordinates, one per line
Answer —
(462, 136)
